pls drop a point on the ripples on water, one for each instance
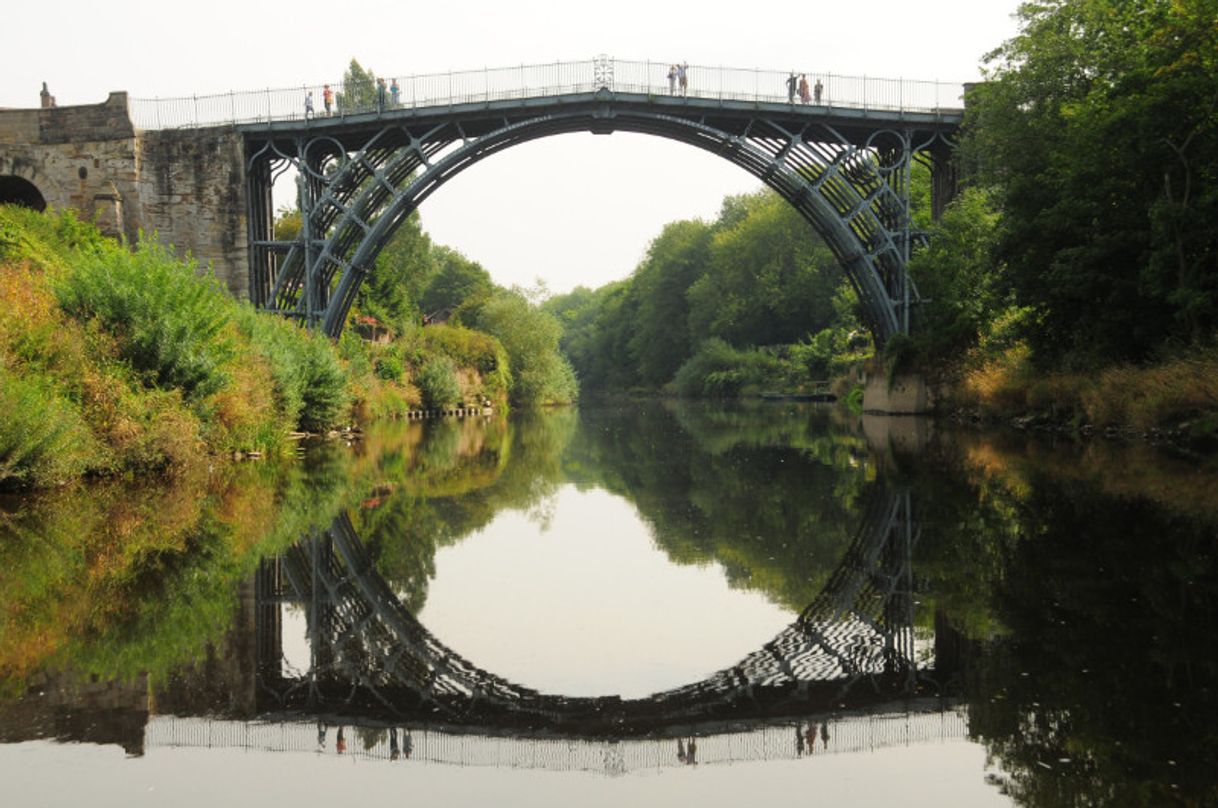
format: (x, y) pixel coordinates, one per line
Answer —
(623, 592)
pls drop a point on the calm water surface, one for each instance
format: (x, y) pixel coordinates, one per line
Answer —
(651, 604)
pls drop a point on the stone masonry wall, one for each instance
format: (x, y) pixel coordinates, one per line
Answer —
(187, 186)
(192, 194)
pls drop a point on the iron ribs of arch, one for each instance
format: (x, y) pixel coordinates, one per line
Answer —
(853, 189)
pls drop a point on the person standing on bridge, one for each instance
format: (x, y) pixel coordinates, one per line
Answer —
(791, 82)
(805, 94)
(309, 105)
(683, 78)
(817, 90)
(380, 95)
(672, 79)
(395, 92)
(327, 98)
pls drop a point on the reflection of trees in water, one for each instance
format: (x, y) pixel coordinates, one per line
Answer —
(1095, 678)
(115, 579)
(456, 486)
(769, 494)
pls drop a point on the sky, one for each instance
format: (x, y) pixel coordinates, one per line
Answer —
(569, 210)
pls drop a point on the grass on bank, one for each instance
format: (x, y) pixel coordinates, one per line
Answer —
(117, 361)
(1181, 390)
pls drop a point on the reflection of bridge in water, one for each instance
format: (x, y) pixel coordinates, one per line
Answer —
(907, 724)
(373, 663)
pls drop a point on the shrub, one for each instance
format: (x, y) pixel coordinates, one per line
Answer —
(168, 319)
(719, 370)
(437, 381)
(325, 385)
(466, 347)
(389, 367)
(43, 440)
(310, 384)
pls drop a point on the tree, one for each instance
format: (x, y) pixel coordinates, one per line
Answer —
(960, 276)
(455, 282)
(540, 374)
(1098, 132)
(393, 290)
(358, 89)
(677, 258)
(770, 279)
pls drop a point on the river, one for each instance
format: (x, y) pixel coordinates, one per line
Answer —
(651, 603)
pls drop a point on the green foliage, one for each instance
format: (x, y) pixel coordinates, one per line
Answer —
(358, 89)
(287, 223)
(455, 282)
(757, 276)
(529, 334)
(392, 291)
(169, 319)
(1098, 131)
(770, 279)
(130, 362)
(719, 370)
(40, 435)
(661, 336)
(310, 386)
(961, 276)
(437, 380)
(324, 391)
(471, 349)
(389, 367)
(596, 334)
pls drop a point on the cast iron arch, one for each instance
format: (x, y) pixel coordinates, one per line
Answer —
(852, 189)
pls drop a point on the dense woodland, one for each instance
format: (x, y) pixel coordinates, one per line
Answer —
(1095, 143)
(1082, 242)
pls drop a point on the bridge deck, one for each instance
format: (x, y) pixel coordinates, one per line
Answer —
(907, 726)
(856, 125)
(539, 86)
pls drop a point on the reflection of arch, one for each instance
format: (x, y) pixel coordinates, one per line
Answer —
(847, 176)
(852, 647)
(20, 191)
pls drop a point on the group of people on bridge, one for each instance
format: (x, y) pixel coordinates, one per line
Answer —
(800, 86)
(806, 739)
(386, 95)
(678, 78)
(340, 741)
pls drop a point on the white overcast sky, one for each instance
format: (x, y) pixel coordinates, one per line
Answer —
(571, 210)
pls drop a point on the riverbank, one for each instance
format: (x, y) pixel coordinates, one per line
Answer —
(1174, 400)
(118, 361)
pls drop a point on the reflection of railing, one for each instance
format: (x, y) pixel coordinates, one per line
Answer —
(849, 734)
(533, 81)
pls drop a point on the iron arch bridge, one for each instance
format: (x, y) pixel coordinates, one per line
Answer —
(842, 161)
(370, 660)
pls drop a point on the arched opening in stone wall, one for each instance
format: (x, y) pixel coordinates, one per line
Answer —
(18, 191)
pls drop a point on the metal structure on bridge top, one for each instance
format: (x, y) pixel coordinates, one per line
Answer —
(853, 647)
(843, 161)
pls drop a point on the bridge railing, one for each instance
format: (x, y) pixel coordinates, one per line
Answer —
(544, 80)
